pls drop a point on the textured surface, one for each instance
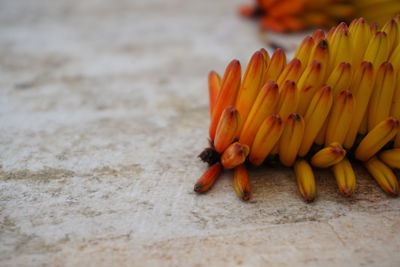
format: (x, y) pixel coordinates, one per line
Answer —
(103, 109)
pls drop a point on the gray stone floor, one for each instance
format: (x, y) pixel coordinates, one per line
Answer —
(103, 109)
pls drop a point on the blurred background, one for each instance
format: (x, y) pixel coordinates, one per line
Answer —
(298, 15)
(103, 110)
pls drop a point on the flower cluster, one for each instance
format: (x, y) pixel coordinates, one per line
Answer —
(336, 101)
(295, 15)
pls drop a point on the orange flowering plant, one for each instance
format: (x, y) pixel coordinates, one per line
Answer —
(337, 101)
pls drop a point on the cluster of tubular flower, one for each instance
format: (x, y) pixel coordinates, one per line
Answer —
(336, 101)
(295, 15)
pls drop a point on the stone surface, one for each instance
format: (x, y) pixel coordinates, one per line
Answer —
(103, 109)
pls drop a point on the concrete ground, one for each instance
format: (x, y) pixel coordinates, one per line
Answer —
(103, 110)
